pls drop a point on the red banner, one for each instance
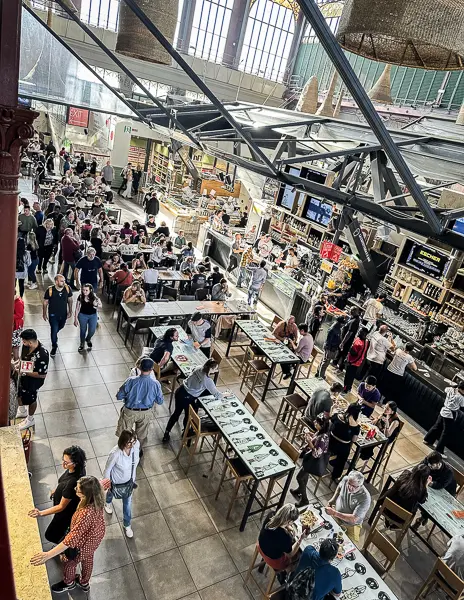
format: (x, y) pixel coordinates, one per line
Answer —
(330, 251)
(78, 117)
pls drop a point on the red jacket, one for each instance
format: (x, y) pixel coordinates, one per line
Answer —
(68, 246)
(18, 313)
(357, 352)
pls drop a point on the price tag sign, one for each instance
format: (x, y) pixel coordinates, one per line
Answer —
(330, 251)
(326, 266)
(27, 366)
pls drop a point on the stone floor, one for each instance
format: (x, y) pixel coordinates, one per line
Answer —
(183, 547)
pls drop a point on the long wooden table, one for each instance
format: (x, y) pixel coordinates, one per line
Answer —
(253, 445)
(276, 352)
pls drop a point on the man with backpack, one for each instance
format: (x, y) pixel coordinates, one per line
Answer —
(57, 308)
(314, 576)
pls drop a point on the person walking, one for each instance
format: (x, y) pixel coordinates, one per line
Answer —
(90, 269)
(32, 247)
(139, 395)
(236, 253)
(124, 174)
(69, 251)
(442, 428)
(22, 262)
(127, 193)
(32, 380)
(344, 431)
(355, 359)
(86, 533)
(47, 240)
(151, 203)
(331, 346)
(18, 324)
(86, 316)
(349, 332)
(57, 308)
(120, 472)
(64, 497)
(258, 279)
(107, 173)
(245, 261)
(188, 393)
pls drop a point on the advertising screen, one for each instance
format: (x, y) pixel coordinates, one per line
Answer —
(427, 260)
(318, 211)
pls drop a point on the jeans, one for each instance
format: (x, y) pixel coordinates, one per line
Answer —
(56, 325)
(66, 267)
(440, 430)
(242, 276)
(88, 324)
(126, 507)
(328, 356)
(350, 376)
(31, 270)
(253, 296)
(45, 254)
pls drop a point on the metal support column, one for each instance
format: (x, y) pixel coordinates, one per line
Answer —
(359, 94)
(185, 26)
(236, 33)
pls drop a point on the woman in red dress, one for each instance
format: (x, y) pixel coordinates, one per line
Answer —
(85, 535)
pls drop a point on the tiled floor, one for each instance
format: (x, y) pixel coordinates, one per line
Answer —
(183, 547)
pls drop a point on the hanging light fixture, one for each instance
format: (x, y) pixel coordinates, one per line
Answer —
(136, 41)
(427, 34)
(308, 99)
(338, 106)
(326, 109)
(460, 119)
(381, 91)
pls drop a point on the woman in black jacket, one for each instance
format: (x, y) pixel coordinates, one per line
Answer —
(331, 346)
(47, 238)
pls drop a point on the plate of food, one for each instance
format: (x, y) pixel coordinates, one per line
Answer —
(181, 358)
(309, 520)
(365, 427)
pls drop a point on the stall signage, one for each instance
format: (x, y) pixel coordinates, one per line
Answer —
(427, 260)
(27, 366)
(326, 266)
(78, 117)
(330, 251)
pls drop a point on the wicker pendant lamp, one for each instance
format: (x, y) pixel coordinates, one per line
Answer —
(136, 41)
(308, 99)
(381, 91)
(326, 109)
(338, 106)
(427, 34)
(460, 119)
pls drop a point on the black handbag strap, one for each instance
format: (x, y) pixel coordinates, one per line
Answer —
(133, 463)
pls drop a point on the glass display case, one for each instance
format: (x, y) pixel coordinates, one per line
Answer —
(279, 293)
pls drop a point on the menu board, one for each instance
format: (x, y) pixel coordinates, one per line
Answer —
(427, 260)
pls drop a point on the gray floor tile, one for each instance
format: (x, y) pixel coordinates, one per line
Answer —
(55, 401)
(97, 417)
(40, 433)
(113, 551)
(64, 422)
(112, 372)
(77, 360)
(43, 481)
(58, 444)
(104, 342)
(208, 561)
(159, 459)
(217, 510)
(92, 395)
(165, 576)
(103, 440)
(56, 380)
(86, 376)
(241, 544)
(109, 357)
(116, 584)
(68, 344)
(143, 501)
(56, 364)
(229, 589)
(40, 456)
(118, 341)
(172, 488)
(189, 522)
(151, 536)
(113, 388)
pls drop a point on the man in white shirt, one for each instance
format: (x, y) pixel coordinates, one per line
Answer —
(379, 344)
(373, 310)
(454, 556)
(292, 261)
(402, 359)
(453, 402)
(265, 246)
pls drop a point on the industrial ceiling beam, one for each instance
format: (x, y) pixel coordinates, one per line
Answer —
(71, 12)
(359, 94)
(199, 83)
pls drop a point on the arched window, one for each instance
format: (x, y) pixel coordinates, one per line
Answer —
(268, 39)
(209, 31)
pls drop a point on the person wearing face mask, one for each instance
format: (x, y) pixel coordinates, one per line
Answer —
(350, 503)
(188, 393)
(64, 497)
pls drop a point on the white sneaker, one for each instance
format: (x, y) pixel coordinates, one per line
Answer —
(129, 532)
(29, 422)
(109, 508)
(33, 286)
(22, 412)
(52, 260)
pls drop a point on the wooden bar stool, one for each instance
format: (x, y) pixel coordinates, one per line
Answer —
(252, 403)
(291, 407)
(218, 358)
(267, 593)
(307, 365)
(251, 352)
(384, 545)
(169, 379)
(253, 370)
(395, 515)
(198, 436)
(240, 474)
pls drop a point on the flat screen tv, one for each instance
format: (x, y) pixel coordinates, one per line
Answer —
(427, 260)
(459, 226)
(318, 210)
(287, 193)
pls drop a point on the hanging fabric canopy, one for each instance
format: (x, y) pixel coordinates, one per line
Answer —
(426, 34)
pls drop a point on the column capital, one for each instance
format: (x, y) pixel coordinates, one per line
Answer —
(15, 132)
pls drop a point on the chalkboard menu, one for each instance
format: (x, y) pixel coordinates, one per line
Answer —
(427, 260)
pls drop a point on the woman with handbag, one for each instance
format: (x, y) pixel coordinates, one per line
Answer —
(85, 535)
(120, 470)
(64, 497)
(315, 454)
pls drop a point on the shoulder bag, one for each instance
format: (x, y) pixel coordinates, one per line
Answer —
(124, 490)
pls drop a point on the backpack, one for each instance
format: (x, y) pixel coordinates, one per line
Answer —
(301, 587)
(50, 289)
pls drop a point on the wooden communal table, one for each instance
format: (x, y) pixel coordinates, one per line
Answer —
(276, 352)
(253, 445)
(438, 508)
(360, 581)
(184, 355)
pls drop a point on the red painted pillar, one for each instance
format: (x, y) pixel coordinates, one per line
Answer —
(15, 132)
